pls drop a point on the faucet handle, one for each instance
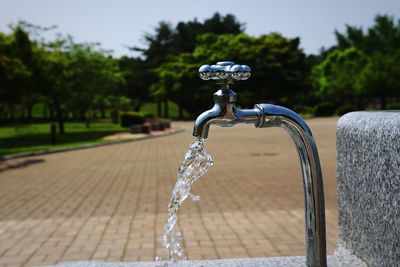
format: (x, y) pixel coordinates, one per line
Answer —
(225, 71)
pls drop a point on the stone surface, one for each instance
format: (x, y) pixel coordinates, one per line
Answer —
(257, 262)
(341, 259)
(368, 169)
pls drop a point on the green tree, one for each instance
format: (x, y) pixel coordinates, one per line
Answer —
(92, 72)
(336, 78)
(380, 77)
(278, 62)
(169, 41)
(76, 75)
(362, 63)
(137, 81)
(17, 71)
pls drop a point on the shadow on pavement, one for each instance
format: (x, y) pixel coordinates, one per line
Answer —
(4, 165)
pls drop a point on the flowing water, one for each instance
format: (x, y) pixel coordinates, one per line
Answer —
(195, 164)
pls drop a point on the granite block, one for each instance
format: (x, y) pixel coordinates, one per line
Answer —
(368, 170)
(343, 259)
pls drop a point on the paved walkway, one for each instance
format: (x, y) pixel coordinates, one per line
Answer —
(109, 203)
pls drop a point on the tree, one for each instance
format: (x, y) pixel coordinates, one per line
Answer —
(18, 70)
(74, 75)
(336, 78)
(93, 72)
(185, 34)
(380, 77)
(168, 42)
(278, 62)
(362, 63)
(137, 82)
(14, 77)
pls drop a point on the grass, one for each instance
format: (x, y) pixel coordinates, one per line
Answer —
(16, 138)
(22, 138)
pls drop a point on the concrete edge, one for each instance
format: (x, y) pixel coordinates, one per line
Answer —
(343, 259)
(87, 146)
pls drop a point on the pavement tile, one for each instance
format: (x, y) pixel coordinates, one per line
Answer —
(109, 203)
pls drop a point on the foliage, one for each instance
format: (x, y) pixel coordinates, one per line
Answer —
(343, 109)
(363, 64)
(66, 76)
(149, 116)
(137, 82)
(324, 109)
(336, 77)
(128, 119)
(380, 77)
(76, 80)
(304, 110)
(168, 42)
(278, 61)
(394, 106)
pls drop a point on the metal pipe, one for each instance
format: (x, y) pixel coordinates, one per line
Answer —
(224, 113)
(312, 177)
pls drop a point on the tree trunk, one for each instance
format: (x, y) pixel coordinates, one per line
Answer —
(136, 106)
(29, 112)
(51, 113)
(359, 103)
(45, 113)
(158, 108)
(22, 114)
(87, 124)
(3, 113)
(166, 110)
(180, 112)
(383, 102)
(82, 115)
(12, 114)
(103, 112)
(60, 121)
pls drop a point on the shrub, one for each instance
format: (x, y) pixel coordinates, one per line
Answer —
(128, 119)
(393, 106)
(304, 110)
(149, 116)
(343, 109)
(324, 109)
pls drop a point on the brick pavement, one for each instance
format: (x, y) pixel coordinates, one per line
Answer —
(109, 203)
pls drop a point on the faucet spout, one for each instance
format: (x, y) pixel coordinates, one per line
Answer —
(203, 121)
(225, 115)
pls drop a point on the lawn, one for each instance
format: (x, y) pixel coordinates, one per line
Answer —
(19, 138)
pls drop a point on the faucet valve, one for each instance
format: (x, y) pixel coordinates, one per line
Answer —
(225, 71)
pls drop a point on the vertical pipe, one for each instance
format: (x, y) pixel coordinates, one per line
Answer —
(272, 115)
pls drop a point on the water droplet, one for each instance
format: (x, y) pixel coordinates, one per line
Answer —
(194, 197)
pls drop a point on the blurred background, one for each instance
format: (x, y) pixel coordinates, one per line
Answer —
(79, 73)
(81, 64)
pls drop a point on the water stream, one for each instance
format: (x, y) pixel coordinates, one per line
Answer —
(195, 164)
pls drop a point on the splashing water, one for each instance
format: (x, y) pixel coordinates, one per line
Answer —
(195, 164)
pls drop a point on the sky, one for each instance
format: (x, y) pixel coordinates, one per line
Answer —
(120, 23)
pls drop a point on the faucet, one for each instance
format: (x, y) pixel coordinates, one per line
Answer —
(224, 113)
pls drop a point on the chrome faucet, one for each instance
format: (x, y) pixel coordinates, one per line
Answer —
(226, 114)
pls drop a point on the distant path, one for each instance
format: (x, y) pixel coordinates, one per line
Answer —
(109, 203)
